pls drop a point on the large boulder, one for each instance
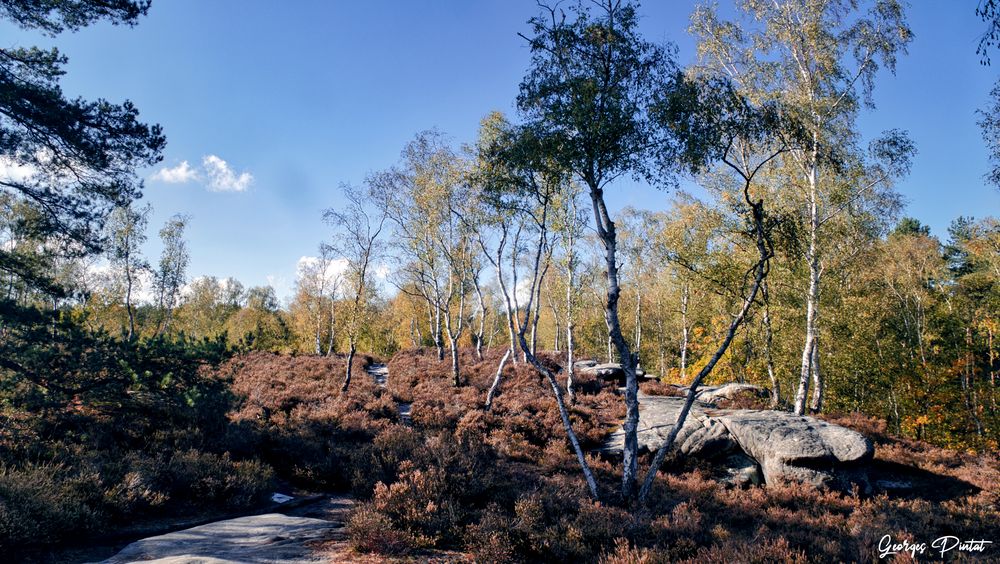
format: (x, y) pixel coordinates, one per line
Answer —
(259, 538)
(786, 447)
(798, 448)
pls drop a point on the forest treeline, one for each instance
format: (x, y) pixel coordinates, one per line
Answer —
(910, 335)
(791, 265)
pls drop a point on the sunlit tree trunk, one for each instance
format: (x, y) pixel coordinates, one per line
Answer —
(768, 342)
(685, 294)
(812, 296)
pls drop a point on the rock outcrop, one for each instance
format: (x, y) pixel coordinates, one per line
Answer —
(785, 447)
(800, 449)
(712, 394)
(260, 538)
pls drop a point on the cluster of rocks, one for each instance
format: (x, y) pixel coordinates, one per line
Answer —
(753, 446)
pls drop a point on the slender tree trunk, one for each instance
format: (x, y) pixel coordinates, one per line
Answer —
(128, 294)
(496, 379)
(331, 341)
(350, 365)
(456, 377)
(538, 306)
(454, 331)
(638, 325)
(481, 331)
(630, 451)
(812, 296)
(610, 343)
(556, 322)
(817, 397)
(564, 415)
(438, 338)
(684, 331)
(768, 339)
(319, 329)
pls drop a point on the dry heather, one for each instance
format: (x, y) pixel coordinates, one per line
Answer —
(503, 485)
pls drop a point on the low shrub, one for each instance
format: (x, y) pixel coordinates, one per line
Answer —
(370, 531)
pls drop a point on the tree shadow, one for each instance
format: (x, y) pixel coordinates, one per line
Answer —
(910, 482)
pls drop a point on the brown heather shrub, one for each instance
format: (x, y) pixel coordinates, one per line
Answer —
(292, 413)
(419, 502)
(286, 388)
(490, 539)
(659, 388)
(504, 486)
(624, 553)
(371, 531)
(761, 550)
(524, 419)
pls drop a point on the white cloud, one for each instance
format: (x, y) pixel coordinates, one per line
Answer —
(15, 172)
(222, 178)
(179, 174)
(334, 269)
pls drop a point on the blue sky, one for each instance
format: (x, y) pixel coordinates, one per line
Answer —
(293, 98)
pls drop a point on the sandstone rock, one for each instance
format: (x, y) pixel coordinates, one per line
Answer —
(784, 446)
(700, 436)
(608, 371)
(740, 470)
(712, 394)
(259, 538)
(798, 448)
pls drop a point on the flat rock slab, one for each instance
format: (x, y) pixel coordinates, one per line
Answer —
(260, 538)
(657, 415)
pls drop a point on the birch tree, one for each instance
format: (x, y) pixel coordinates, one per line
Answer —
(590, 85)
(126, 235)
(171, 273)
(519, 181)
(820, 58)
(357, 227)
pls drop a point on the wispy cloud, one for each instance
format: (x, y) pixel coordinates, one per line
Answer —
(179, 174)
(217, 174)
(222, 177)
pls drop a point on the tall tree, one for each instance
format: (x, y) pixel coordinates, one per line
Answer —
(75, 160)
(171, 274)
(126, 235)
(518, 185)
(820, 58)
(591, 83)
(358, 227)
